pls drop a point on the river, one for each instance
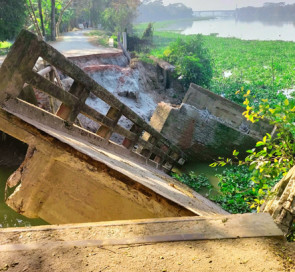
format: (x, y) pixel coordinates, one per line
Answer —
(8, 217)
(229, 27)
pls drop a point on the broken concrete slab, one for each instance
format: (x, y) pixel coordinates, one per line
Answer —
(66, 180)
(207, 126)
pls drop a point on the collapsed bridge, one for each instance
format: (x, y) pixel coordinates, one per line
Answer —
(71, 175)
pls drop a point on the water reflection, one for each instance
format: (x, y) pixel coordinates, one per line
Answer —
(8, 217)
(179, 25)
(245, 30)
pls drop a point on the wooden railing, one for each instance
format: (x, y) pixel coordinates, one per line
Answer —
(17, 73)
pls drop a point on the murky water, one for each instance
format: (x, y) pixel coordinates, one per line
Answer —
(8, 217)
(204, 168)
(229, 27)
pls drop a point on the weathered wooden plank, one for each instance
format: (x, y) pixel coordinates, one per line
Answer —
(106, 132)
(69, 113)
(21, 58)
(155, 150)
(97, 116)
(148, 231)
(50, 88)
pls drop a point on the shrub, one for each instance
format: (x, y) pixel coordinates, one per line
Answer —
(191, 60)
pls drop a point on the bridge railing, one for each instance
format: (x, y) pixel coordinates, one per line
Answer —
(17, 73)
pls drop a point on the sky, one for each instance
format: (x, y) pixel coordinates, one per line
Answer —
(223, 4)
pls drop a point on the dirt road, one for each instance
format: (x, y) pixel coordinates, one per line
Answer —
(77, 43)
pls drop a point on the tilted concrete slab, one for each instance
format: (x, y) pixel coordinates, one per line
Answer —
(207, 126)
(66, 179)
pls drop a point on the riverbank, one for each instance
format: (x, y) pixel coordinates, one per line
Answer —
(264, 67)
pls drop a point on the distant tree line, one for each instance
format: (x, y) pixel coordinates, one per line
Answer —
(269, 12)
(154, 11)
(50, 17)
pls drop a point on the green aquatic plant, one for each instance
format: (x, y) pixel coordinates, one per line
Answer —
(273, 156)
(196, 182)
(236, 190)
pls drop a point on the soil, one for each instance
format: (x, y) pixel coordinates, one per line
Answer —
(234, 255)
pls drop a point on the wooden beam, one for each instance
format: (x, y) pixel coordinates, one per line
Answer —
(106, 132)
(21, 58)
(146, 231)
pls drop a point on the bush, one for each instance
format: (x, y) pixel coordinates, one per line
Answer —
(191, 60)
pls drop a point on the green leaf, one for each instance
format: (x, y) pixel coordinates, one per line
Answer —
(259, 144)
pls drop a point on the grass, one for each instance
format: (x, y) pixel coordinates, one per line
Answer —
(4, 48)
(101, 37)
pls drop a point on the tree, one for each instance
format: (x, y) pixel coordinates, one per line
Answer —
(52, 25)
(41, 17)
(120, 15)
(60, 16)
(12, 18)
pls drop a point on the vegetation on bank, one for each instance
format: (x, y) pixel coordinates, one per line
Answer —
(191, 59)
(266, 68)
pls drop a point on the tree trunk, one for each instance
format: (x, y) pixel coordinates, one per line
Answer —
(53, 33)
(41, 17)
(60, 16)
